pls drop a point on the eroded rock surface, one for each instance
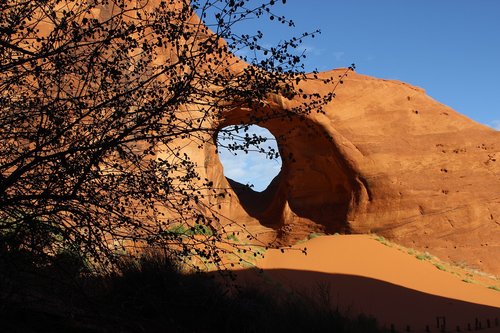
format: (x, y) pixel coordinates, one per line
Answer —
(398, 164)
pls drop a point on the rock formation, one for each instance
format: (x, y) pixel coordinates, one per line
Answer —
(386, 159)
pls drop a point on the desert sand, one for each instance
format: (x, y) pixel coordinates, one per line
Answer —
(362, 275)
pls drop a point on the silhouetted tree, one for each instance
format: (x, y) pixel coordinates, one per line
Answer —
(94, 98)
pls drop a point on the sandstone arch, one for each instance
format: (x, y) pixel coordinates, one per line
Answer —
(317, 189)
(312, 167)
(397, 163)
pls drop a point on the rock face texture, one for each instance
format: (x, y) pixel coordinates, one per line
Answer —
(386, 159)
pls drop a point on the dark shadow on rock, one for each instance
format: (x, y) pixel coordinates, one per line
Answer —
(316, 183)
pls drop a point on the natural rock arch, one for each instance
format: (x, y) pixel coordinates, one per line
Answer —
(317, 187)
(372, 164)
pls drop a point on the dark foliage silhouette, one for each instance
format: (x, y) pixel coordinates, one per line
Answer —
(151, 295)
(98, 99)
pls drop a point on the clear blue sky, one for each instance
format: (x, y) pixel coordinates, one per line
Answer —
(451, 48)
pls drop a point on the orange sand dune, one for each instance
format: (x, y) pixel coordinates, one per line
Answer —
(365, 276)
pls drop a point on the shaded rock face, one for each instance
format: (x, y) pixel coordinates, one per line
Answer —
(312, 167)
(385, 159)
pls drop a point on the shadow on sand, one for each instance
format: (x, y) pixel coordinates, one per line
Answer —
(153, 296)
(394, 306)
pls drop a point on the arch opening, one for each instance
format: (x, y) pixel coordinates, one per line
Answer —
(249, 155)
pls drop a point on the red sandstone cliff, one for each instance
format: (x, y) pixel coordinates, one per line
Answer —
(399, 164)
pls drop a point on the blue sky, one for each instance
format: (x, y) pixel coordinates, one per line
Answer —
(252, 168)
(451, 48)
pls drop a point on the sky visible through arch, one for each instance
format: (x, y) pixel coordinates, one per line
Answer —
(252, 168)
(450, 48)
